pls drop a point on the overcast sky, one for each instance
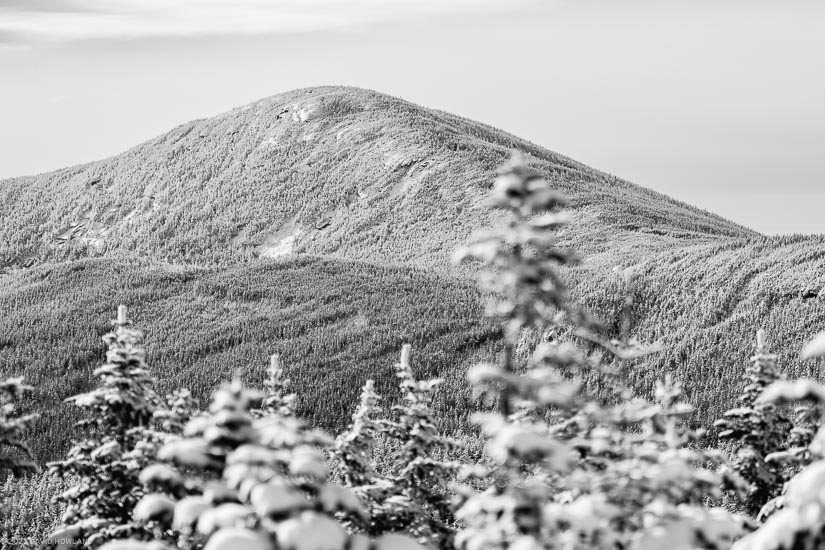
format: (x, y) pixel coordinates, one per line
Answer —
(720, 103)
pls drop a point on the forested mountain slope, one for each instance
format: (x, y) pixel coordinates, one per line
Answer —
(704, 304)
(335, 324)
(373, 193)
(328, 171)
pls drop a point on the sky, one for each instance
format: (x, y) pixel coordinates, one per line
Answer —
(719, 103)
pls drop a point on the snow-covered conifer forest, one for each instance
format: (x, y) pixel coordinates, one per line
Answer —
(562, 449)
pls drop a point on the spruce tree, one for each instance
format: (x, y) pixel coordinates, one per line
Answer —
(15, 456)
(758, 429)
(251, 482)
(567, 469)
(420, 468)
(798, 522)
(276, 400)
(410, 490)
(105, 466)
(353, 450)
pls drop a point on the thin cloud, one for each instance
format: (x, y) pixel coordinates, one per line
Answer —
(106, 19)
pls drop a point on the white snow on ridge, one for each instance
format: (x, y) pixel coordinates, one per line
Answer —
(281, 247)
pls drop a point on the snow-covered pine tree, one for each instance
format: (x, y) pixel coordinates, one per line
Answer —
(15, 455)
(177, 410)
(798, 521)
(353, 451)
(276, 398)
(253, 483)
(409, 489)
(596, 476)
(420, 469)
(757, 429)
(521, 258)
(120, 441)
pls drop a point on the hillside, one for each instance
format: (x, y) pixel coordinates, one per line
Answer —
(326, 171)
(361, 199)
(335, 324)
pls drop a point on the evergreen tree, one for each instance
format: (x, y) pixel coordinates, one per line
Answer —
(276, 400)
(106, 465)
(420, 469)
(178, 409)
(798, 521)
(759, 429)
(353, 450)
(410, 492)
(568, 470)
(253, 483)
(15, 455)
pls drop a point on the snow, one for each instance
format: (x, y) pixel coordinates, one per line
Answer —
(236, 539)
(674, 535)
(107, 450)
(196, 426)
(776, 533)
(222, 517)
(308, 461)
(159, 473)
(359, 542)
(519, 441)
(741, 411)
(334, 498)
(783, 392)
(271, 498)
(394, 541)
(253, 454)
(808, 487)
(281, 247)
(303, 113)
(526, 542)
(217, 492)
(312, 531)
(271, 141)
(154, 507)
(815, 348)
(587, 513)
(187, 512)
(191, 452)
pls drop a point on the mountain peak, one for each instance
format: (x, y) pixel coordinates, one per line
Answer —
(326, 170)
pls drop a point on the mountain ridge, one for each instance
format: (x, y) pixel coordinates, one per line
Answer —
(330, 171)
(382, 190)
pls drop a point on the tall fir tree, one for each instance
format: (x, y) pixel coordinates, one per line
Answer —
(410, 490)
(758, 429)
(567, 470)
(105, 466)
(354, 448)
(15, 456)
(277, 400)
(798, 521)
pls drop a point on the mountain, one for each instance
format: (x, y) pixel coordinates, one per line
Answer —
(339, 172)
(320, 222)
